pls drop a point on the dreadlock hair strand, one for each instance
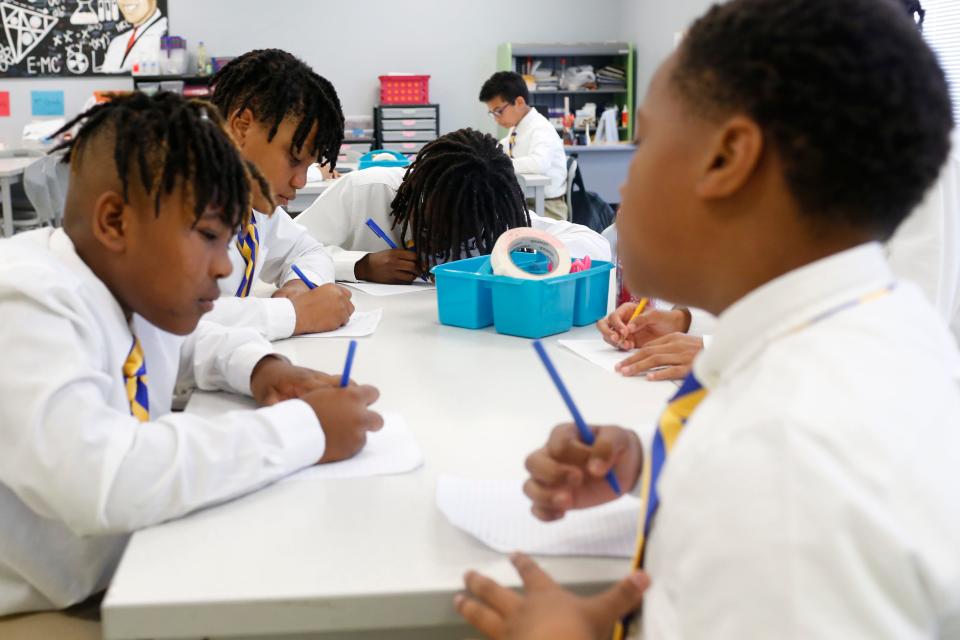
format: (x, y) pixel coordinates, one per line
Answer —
(162, 141)
(276, 85)
(457, 198)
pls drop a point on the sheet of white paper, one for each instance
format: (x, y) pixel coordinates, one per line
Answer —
(596, 351)
(497, 513)
(390, 451)
(600, 353)
(362, 323)
(375, 289)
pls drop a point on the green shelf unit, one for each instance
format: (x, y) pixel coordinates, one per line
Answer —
(512, 56)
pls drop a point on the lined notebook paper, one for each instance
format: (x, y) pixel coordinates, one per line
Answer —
(596, 351)
(390, 451)
(497, 513)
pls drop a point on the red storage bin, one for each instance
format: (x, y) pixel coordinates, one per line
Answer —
(404, 89)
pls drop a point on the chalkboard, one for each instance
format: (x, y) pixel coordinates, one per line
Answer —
(43, 38)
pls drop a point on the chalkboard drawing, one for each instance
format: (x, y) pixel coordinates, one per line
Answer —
(140, 42)
(24, 28)
(108, 10)
(84, 13)
(77, 61)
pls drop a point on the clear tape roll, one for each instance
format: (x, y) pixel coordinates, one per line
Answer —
(527, 238)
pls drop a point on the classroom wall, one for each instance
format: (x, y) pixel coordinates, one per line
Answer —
(652, 25)
(76, 92)
(455, 41)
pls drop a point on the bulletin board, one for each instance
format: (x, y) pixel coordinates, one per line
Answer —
(71, 38)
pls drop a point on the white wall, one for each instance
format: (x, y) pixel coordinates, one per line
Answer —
(651, 25)
(353, 42)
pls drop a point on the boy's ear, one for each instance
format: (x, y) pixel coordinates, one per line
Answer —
(520, 102)
(239, 126)
(109, 222)
(733, 159)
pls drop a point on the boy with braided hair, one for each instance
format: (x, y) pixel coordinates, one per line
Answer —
(456, 199)
(284, 117)
(101, 319)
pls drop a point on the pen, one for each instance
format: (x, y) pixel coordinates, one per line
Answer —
(585, 434)
(345, 378)
(305, 279)
(377, 230)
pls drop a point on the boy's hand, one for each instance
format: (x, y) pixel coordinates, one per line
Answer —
(619, 331)
(545, 611)
(675, 352)
(394, 266)
(325, 308)
(275, 379)
(567, 474)
(345, 418)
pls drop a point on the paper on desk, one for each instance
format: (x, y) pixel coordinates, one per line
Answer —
(361, 324)
(375, 289)
(390, 451)
(596, 351)
(497, 513)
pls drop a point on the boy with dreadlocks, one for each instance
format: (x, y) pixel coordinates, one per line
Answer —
(284, 117)
(459, 195)
(101, 318)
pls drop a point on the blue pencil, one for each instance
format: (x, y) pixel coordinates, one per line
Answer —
(585, 434)
(377, 230)
(305, 279)
(345, 378)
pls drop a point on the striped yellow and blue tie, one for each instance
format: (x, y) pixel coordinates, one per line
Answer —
(513, 141)
(135, 380)
(248, 242)
(672, 422)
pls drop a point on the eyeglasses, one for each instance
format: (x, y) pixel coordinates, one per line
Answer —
(496, 113)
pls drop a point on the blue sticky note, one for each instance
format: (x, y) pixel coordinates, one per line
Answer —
(47, 103)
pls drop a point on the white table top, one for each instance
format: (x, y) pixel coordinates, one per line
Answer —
(374, 553)
(11, 167)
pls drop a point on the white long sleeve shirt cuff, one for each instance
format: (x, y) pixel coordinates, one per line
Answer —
(701, 323)
(345, 263)
(274, 318)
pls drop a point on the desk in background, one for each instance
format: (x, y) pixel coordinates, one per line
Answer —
(373, 557)
(604, 167)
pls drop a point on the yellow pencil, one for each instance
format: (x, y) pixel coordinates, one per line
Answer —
(640, 307)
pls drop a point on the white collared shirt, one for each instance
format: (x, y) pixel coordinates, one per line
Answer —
(338, 219)
(815, 492)
(78, 473)
(283, 243)
(539, 149)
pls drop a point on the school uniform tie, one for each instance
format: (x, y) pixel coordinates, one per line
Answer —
(513, 141)
(248, 242)
(132, 41)
(135, 380)
(672, 422)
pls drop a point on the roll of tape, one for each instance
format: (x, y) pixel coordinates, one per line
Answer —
(527, 238)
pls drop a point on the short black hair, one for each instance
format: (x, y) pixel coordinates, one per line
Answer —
(847, 93)
(459, 195)
(508, 85)
(275, 84)
(165, 141)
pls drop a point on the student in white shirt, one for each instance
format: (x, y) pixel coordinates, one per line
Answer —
(532, 143)
(803, 482)
(453, 202)
(925, 250)
(101, 319)
(284, 118)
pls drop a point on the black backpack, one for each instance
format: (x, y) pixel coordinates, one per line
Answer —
(589, 209)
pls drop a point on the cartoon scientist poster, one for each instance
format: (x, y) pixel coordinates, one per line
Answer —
(78, 37)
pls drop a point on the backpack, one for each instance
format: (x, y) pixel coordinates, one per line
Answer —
(589, 209)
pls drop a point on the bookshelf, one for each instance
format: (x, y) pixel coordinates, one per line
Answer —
(515, 56)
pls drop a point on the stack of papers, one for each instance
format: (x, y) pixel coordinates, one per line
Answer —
(611, 77)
